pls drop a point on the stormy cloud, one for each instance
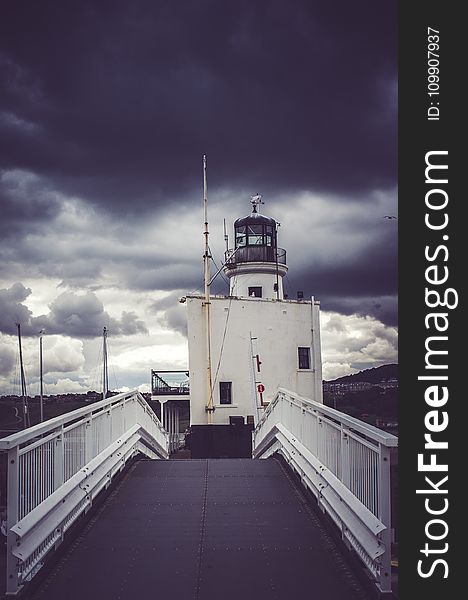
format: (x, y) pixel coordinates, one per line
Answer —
(106, 108)
(71, 314)
(117, 100)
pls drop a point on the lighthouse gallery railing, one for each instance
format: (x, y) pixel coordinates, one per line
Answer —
(57, 468)
(345, 463)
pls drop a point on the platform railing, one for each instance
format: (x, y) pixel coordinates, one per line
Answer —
(246, 254)
(345, 463)
(57, 468)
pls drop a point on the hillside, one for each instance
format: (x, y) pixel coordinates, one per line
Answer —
(375, 375)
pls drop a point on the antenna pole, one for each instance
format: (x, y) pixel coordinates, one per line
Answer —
(41, 376)
(24, 395)
(207, 306)
(226, 237)
(105, 374)
(276, 261)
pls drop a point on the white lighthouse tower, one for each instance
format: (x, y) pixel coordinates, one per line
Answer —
(257, 266)
(259, 340)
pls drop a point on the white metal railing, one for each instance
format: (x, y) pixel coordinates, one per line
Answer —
(57, 468)
(345, 463)
(174, 442)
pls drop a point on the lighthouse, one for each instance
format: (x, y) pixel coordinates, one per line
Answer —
(256, 266)
(259, 340)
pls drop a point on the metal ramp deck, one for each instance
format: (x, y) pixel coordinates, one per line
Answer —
(231, 529)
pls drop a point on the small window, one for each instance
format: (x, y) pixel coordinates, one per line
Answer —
(255, 240)
(304, 358)
(225, 392)
(240, 237)
(255, 235)
(255, 291)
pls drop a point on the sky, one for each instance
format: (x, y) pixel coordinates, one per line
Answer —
(106, 109)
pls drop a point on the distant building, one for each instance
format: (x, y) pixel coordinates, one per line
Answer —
(357, 386)
(388, 383)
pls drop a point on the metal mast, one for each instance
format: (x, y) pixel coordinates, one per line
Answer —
(105, 373)
(276, 260)
(24, 394)
(226, 238)
(207, 306)
(41, 376)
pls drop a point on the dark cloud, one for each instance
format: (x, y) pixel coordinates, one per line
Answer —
(7, 360)
(26, 203)
(368, 288)
(106, 107)
(351, 268)
(171, 314)
(12, 309)
(84, 316)
(74, 315)
(383, 308)
(116, 101)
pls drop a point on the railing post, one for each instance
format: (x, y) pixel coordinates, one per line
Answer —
(109, 431)
(344, 451)
(89, 439)
(13, 499)
(132, 415)
(385, 580)
(122, 419)
(59, 459)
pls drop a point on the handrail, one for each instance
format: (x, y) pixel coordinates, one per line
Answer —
(345, 463)
(25, 435)
(260, 253)
(378, 435)
(58, 467)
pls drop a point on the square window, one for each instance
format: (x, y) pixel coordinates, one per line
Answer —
(240, 240)
(255, 291)
(255, 240)
(225, 392)
(304, 358)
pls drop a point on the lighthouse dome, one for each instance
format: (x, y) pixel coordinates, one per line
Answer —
(256, 265)
(254, 218)
(255, 230)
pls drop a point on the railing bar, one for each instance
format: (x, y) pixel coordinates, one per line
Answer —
(372, 446)
(358, 474)
(363, 476)
(77, 423)
(42, 471)
(34, 475)
(33, 432)
(39, 442)
(325, 411)
(27, 486)
(376, 488)
(367, 478)
(20, 487)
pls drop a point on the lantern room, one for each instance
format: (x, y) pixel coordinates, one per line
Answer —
(256, 265)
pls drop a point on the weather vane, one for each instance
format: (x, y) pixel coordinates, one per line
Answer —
(255, 201)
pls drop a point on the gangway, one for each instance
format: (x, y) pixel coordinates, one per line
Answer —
(200, 528)
(58, 467)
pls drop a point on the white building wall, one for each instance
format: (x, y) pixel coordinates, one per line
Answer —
(280, 328)
(240, 283)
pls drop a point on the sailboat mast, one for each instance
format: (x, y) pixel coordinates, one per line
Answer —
(105, 373)
(24, 395)
(207, 305)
